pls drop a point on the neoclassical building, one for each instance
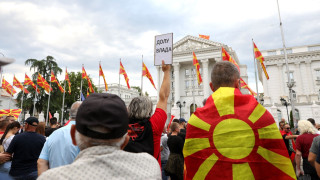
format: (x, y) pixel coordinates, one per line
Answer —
(184, 85)
(304, 70)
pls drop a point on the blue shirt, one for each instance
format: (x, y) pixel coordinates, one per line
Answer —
(58, 149)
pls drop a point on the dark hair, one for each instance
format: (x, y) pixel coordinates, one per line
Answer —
(224, 74)
(9, 127)
(176, 120)
(173, 126)
(312, 121)
(53, 120)
(4, 123)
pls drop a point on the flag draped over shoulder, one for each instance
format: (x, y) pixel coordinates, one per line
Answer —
(28, 81)
(17, 84)
(227, 57)
(10, 112)
(7, 86)
(54, 79)
(204, 36)
(196, 64)
(123, 71)
(85, 76)
(243, 84)
(68, 80)
(258, 55)
(235, 137)
(43, 83)
(104, 79)
(146, 73)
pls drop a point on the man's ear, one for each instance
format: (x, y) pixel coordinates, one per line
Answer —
(237, 84)
(73, 134)
(125, 142)
(211, 86)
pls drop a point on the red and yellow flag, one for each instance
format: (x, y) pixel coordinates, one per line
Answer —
(10, 112)
(85, 76)
(245, 85)
(28, 81)
(67, 79)
(84, 73)
(104, 79)
(258, 55)
(235, 137)
(196, 64)
(17, 84)
(7, 86)
(204, 36)
(227, 57)
(88, 93)
(54, 79)
(146, 73)
(123, 71)
(43, 83)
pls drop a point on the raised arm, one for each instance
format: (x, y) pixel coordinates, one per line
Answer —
(165, 87)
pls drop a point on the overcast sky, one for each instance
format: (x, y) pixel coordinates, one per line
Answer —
(77, 32)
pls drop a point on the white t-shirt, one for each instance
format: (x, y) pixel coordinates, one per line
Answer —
(6, 142)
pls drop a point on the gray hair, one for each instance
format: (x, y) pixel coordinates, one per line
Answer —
(84, 142)
(224, 74)
(305, 126)
(74, 109)
(140, 108)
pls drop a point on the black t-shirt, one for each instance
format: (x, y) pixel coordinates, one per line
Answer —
(175, 144)
(26, 148)
(49, 131)
(286, 141)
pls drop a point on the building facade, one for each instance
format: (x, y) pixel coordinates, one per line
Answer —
(6, 101)
(304, 70)
(184, 84)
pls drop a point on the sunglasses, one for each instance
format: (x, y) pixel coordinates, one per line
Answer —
(287, 128)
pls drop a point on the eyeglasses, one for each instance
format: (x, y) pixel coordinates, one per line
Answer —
(287, 128)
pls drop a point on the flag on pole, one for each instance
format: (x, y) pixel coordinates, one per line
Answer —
(146, 73)
(88, 93)
(258, 55)
(235, 137)
(104, 79)
(7, 86)
(10, 112)
(17, 84)
(85, 76)
(54, 79)
(196, 64)
(27, 81)
(204, 36)
(245, 85)
(43, 83)
(68, 80)
(50, 116)
(123, 71)
(227, 57)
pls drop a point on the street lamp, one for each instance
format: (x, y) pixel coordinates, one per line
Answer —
(180, 105)
(285, 103)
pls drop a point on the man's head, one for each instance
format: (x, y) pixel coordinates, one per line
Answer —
(102, 119)
(53, 121)
(281, 125)
(74, 109)
(2, 118)
(313, 122)
(182, 122)
(4, 124)
(31, 124)
(174, 127)
(286, 128)
(140, 108)
(224, 74)
(11, 119)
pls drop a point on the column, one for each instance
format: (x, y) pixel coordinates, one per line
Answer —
(282, 82)
(265, 84)
(205, 76)
(309, 77)
(159, 81)
(176, 67)
(299, 79)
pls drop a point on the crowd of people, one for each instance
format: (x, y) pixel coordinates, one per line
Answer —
(104, 139)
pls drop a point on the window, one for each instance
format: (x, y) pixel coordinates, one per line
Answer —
(172, 85)
(172, 74)
(289, 51)
(314, 48)
(187, 84)
(318, 75)
(271, 53)
(291, 77)
(193, 70)
(297, 114)
(279, 114)
(294, 95)
(187, 72)
(195, 83)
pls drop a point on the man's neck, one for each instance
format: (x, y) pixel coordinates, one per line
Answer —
(54, 126)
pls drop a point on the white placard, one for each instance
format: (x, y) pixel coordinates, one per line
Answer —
(163, 47)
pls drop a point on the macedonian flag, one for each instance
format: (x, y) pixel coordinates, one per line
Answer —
(123, 71)
(104, 79)
(7, 86)
(10, 112)
(197, 66)
(258, 55)
(54, 79)
(28, 81)
(227, 57)
(43, 83)
(68, 80)
(146, 73)
(235, 137)
(85, 76)
(17, 84)
(243, 84)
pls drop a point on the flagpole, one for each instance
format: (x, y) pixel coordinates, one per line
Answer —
(64, 93)
(119, 82)
(255, 72)
(34, 101)
(290, 81)
(142, 78)
(48, 102)
(81, 85)
(99, 74)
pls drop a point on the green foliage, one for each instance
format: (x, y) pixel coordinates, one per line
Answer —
(291, 120)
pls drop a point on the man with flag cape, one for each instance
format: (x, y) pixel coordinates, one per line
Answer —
(233, 136)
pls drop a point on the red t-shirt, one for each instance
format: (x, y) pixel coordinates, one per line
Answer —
(157, 120)
(303, 143)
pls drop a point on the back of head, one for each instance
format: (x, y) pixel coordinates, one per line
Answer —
(312, 121)
(41, 128)
(175, 120)
(74, 109)
(140, 108)
(182, 120)
(224, 74)
(9, 127)
(53, 121)
(305, 126)
(174, 126)
(4, 124)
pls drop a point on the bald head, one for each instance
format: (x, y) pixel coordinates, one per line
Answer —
(224, 74)
(74, 109)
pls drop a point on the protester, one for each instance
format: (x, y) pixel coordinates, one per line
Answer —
(164, 152)
(281, 126)
(3, 126)
(26, 148)
(303, 144)
(11, 119)
(287, 137)
(41, 128)
(3, 118)
(233, 136)
(313, 152)
(144, 128)
(182, 125)
(313, 122)
(53, 126)
(174, 166)
(101, 133)
(58, 149)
